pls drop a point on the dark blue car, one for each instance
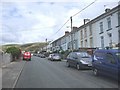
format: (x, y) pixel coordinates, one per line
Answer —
(106, 62)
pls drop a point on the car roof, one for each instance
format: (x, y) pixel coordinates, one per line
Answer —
(108, 50)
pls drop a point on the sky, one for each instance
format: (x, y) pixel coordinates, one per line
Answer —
(29, 21)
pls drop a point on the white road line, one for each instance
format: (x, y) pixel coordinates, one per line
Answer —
(18, 76)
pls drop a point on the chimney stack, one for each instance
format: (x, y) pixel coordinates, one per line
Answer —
(107, 9)
(86, 21)
(66, 32)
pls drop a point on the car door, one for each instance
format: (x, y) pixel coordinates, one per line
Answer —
(75, 59)
(69, 58)
(98, 61)
(110, 65)
(72, 60)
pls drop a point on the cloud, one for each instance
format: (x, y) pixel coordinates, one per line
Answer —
(33, 21)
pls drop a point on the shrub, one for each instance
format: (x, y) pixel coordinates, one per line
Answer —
(14, 51)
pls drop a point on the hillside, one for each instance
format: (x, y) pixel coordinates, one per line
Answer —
(28, 47)
(32, 46)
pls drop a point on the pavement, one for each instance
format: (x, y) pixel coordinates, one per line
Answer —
(11, 73)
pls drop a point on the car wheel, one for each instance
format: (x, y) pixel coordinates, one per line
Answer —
(95, 72)
(78, 67)
(67, 64)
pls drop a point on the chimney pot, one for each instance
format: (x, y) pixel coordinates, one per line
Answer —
(66, 32)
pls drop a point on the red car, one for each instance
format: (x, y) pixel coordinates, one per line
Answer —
(27, 56)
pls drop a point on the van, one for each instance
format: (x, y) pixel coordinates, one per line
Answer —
(106, 62)
(27, 56)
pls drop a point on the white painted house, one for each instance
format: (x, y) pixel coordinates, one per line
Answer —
(102, 31)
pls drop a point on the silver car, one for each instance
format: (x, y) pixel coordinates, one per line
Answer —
(50, 56)
(80, 60)
(56, 57)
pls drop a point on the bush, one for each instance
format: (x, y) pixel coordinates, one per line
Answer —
(14, 51)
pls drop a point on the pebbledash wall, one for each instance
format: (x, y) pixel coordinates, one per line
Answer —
(5, 59)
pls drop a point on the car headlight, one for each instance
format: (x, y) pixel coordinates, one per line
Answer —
(83, 62)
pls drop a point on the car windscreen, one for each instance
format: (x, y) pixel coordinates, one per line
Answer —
(56, 54)
(83, 55)
(118, 55)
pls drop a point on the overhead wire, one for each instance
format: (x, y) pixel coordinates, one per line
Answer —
(73, 16)
(84, 8)
(61, 27)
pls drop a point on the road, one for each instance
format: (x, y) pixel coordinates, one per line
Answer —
(42, 73)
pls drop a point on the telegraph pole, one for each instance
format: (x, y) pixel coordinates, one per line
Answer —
(46, 44)
(71, 33)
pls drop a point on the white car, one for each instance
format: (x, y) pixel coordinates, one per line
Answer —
(56, 57)
(50, 57)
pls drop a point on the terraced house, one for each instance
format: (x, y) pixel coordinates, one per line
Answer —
(103, 31)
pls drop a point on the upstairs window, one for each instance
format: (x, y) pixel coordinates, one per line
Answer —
(90, 28)
(81, 34)
(85, 32)
(118, 18)
(101, 27)
(109, 22)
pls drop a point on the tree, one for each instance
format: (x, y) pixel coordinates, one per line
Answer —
(14, 51)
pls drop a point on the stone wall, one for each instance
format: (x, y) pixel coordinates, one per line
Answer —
(5, 59)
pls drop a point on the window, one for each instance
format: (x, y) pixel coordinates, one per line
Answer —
(70, 56)
(74, 55)
(91, 42)
(85, 32)
(101, 27)
(83, 54)
(102, 41)
(99, 55)
(109, 22)
(86, 43)
(81, 34)
(118, 56)
(81, 43)
(90, 28)
(118, 18)
(110, 58)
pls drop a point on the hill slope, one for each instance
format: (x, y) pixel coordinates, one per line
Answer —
(26, 47)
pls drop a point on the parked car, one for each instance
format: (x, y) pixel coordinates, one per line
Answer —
(34, 54)
(42, 56)
(56, 57)
(106, 62)
(27, 56)
(50, 56)
(39, 55)
(80, 60)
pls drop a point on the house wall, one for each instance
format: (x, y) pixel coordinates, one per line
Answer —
(113, 31)
(79, 42)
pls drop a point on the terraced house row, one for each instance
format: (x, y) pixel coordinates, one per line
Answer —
(103, 31)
